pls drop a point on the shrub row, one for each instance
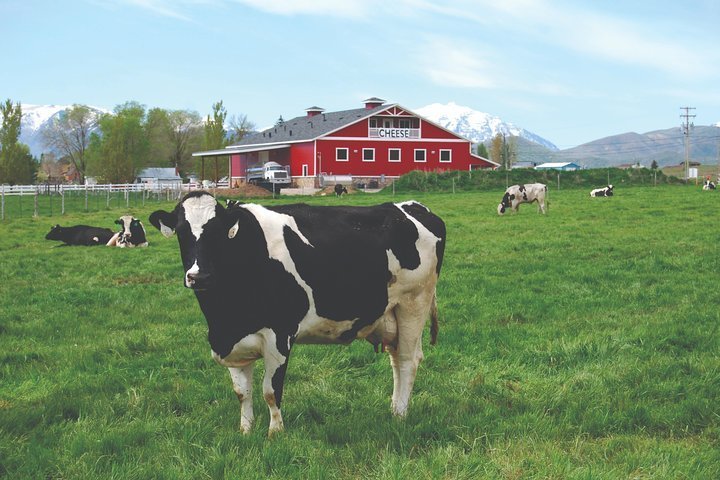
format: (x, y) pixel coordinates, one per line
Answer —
(499, 179)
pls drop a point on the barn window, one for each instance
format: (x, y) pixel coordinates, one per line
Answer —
(393, 154)
(420, 155)
(404, 123)
(304, 170)
(445, 156)
(341, 154)
(368, 154)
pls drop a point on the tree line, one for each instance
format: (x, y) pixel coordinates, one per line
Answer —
(114, 147)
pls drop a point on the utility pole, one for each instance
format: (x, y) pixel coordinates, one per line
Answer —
(686, 127)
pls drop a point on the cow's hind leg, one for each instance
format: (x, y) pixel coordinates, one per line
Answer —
(242, 384)
(405, 357)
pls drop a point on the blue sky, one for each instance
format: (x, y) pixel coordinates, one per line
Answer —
(571, 71)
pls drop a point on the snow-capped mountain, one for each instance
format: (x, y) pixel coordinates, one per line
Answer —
(36, 119)
(476, 126)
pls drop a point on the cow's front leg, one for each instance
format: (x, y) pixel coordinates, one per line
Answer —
(276, 357)
(242, 384)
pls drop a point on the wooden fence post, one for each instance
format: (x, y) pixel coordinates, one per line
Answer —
(35, 211)
(2, 203)
(62, 203)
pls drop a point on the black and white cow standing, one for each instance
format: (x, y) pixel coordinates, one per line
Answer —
(340, 189)
(528, 193)
(602, 192)
(269, 277)
(131, 234)
(80, 235)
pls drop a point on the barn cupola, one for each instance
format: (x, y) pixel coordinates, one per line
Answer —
(373, 102)
(312, 111)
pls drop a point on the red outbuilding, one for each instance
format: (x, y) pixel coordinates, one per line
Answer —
(379, 141)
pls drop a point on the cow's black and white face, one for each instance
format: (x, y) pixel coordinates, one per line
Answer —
(199, 222)
(504, 203)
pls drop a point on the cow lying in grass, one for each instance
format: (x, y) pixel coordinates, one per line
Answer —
(80, 235)
(528, 193)
(269, 277)
(708, 185)
(131, 234)
(602, 192)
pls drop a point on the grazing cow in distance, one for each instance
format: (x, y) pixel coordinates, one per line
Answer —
(269, 277)
(80, 235)
(708, 185)
(528, 193)
(340, 189)
(602, 192)
(131, 234)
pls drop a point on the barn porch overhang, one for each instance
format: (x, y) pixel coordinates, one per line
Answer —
(237, 150)
(228, 151)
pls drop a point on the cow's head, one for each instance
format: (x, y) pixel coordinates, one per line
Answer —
(130, 227)
(505, 203)
(54, 233)
(202, 228)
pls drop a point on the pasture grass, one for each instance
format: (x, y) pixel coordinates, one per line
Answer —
(582, 344)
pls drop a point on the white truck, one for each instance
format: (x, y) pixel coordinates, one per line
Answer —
(268, 173)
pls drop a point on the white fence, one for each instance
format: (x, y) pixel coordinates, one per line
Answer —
(47, 188)
(49, 199)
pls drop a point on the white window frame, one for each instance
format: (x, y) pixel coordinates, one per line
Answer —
(415, 152)
(347, 154)
(399, 150)
(368, 150)
(449, 160)
(305, 170)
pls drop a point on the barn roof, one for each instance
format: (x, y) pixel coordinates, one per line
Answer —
(160, 173)
(307, 128)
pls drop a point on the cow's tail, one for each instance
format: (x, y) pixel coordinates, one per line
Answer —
(434, 326)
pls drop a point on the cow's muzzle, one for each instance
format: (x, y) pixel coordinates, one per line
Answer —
(197, 280)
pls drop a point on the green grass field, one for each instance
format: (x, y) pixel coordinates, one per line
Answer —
(580, 345)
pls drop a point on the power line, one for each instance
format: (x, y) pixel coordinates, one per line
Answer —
(686, 127)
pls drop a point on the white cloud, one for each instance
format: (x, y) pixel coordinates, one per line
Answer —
(338, 8)
(455, 65)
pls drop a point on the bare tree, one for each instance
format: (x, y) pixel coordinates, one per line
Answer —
(184, 128)
(239, 127)
(69, 135)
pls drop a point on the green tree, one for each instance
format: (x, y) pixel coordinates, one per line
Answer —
(16, 163)
(69, 135)
(653, 165)
(122, 149)
(215, 139)
(483, 151)
(157, 127)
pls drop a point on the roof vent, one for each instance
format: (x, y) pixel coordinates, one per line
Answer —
(373, 102)
(312, 111)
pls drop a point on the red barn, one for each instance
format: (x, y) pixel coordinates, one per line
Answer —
(379, 141)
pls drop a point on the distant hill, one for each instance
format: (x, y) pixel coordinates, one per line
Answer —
(666, 147)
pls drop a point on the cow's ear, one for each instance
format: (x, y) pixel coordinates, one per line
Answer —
(164, 221)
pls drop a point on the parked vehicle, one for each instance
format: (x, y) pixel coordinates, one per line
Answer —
(268, 173)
